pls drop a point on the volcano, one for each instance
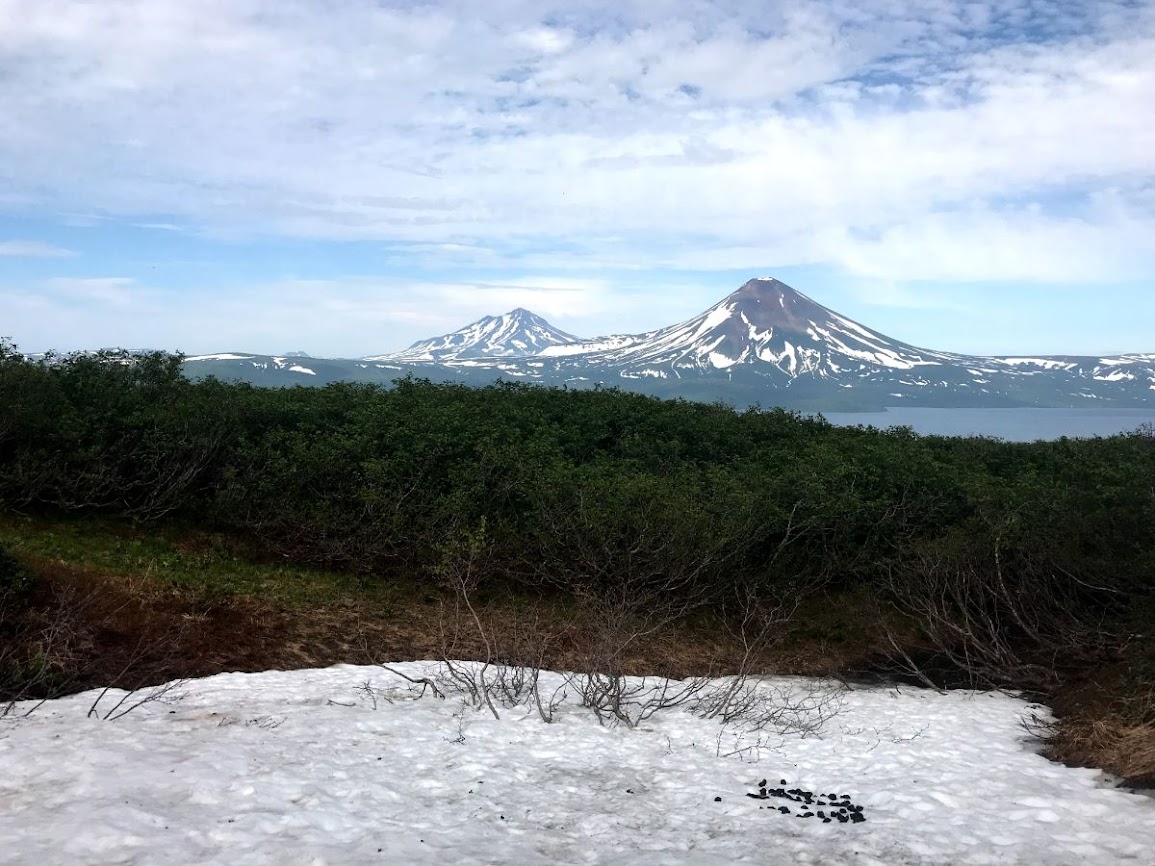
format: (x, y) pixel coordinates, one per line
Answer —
(765, 325)
(764, 344)
(514, 334)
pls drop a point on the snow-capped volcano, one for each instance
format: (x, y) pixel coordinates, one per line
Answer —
(765, 343)
(764, 324)
(516, 334)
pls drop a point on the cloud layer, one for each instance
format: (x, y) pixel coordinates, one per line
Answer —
(33, 250)
(895, 141)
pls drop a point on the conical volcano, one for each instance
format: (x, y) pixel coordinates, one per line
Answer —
(514, 334)
(765, 326)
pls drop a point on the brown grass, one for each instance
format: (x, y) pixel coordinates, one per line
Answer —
(1111, 743)
(1106, 721)
(132, 626)
(130, 630)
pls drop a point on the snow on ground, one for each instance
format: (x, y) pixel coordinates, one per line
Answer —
(301, 768)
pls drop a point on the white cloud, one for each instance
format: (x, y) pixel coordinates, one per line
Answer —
(981, 246)
(348, 317)
(648, 134)
(33, 250)
(106, 291)
(886, 293)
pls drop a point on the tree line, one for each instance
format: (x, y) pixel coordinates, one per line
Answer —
(1014, 558)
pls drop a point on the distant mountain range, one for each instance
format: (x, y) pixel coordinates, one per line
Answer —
(764, 344)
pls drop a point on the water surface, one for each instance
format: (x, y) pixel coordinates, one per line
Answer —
(1014, 425)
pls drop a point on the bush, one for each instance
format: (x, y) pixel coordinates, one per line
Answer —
(628, 503)
(16, 581)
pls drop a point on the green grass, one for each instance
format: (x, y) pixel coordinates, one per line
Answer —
(202, 564)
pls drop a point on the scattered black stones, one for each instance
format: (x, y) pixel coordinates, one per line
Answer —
(825, 807)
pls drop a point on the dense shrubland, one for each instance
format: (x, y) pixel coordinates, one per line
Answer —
(1015, 564)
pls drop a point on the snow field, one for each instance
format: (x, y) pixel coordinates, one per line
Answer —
(303, 768)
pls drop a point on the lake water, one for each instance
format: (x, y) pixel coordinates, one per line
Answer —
(1014, 425)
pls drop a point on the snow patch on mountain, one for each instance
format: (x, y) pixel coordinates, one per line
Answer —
(219, 356)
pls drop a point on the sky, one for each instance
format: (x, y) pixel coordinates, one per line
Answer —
(344, 177)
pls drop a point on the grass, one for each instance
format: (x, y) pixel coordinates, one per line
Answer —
(208, 603)
(235, 608)
(130, 605)
(207, 566)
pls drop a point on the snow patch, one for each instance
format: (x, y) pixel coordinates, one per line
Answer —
(309, 767)
(220, 356)
(1045, 363)
(721, 362)
(1116, 376)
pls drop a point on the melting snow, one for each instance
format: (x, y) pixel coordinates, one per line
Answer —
(714, 318)
(1045, 363)
(304, 767)
(642, 374)
(1116, 376)
(1127, 359)
(602, 344)
(220, 356)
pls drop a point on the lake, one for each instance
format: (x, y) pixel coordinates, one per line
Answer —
(1014, 425)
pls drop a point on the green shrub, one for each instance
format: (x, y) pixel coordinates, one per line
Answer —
(15, 579)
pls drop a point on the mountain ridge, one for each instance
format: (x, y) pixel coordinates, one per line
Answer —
(765, 343)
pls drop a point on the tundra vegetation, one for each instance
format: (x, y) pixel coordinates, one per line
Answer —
(154, 527)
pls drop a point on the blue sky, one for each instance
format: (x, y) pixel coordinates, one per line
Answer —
(345, 178)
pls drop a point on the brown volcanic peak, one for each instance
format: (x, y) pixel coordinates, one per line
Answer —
(770, 303)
